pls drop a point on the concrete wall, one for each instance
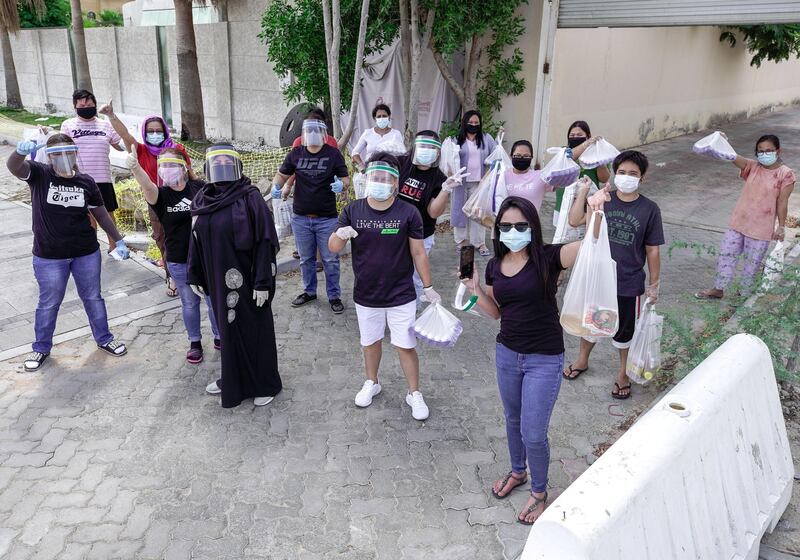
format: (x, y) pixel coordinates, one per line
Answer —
(635, 86)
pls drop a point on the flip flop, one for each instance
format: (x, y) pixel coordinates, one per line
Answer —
(617, 394)
(706, 296)
(577, 371)
(509, 476)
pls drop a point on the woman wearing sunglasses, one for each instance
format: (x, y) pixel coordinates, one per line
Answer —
(521, 291)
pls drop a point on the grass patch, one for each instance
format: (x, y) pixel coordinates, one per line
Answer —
(26, 117)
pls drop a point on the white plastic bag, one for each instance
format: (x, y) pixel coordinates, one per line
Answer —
(716, 146)
(560, 171)
(590, 301)
(773, 268)
(599, 153)
(644, 356)
(36, 135)
(282, 212)
(449, 158)
(498, 154)
(437, 326)
(565, 233)
(391, 147)
(360, 185)
(482, 205)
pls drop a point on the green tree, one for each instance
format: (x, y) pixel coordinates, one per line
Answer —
(775, 43)
(56, 14)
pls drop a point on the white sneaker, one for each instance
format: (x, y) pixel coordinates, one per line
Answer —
(419, 410)
(262, 401)
(213, 389)
(369, 390)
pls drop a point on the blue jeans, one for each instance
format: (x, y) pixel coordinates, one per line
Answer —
(529, 385)
(311, 234)
(52, 276)
(190, 303)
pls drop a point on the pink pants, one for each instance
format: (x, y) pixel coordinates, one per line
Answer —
(732, 246)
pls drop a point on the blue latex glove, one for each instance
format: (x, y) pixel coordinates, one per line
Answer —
(122, 249)
(276, 190)
(337, 185)
(569, 153)
(27, 147)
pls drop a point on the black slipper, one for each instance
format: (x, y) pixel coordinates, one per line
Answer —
(574, 370)
(616, 394)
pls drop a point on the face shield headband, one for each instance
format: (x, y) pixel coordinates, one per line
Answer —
(315, 133)
(223, 165)
(171, 171)
(63, 158)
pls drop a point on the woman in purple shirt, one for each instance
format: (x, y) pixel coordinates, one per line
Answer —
(521, 285)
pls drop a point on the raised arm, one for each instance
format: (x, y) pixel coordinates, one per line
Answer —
(149, 190)
(119, 127)
(16, 163)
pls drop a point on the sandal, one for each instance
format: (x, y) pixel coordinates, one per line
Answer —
(707, 295)
(530, 509)
(484, 251)
(171, 291)
(617, 392)
(574, 373)
(509, 476)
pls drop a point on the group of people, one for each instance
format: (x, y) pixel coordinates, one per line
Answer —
(219, 244)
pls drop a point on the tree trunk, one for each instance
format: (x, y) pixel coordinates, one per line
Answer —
(13, 97)
(332, 21)
(418, 44)
(193, 125)
(448, 75)
(472, 66)
(405, 58)
(82, 75)
(362, 36)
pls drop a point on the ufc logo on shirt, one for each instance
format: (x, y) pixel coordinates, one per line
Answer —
(65, 196)
(313, 164)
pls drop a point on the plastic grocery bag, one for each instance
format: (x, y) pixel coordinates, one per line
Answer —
(498, 154)
(391, 147)
(360, 185)
(565, 233)
(437, 326)
(644, 356)
(716, 146)
(560, 171)
(590, 301)
(773, 267)
(449, 158)
(36, 135)
(482, 205)
(599, 153)
(282, 211)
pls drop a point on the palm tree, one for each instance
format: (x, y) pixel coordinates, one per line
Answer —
(193, 124)
(82, 77)
(9, 23)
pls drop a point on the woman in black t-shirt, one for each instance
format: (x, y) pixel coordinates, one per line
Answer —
(171, 201)
(521, 285)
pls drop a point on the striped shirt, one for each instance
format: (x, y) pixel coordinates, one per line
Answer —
(94, 139)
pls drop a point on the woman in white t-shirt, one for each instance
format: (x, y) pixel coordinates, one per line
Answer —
(370, 138)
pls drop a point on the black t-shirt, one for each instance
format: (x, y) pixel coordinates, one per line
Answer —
(631, 227)
(60, 213)
(173, 209)
(528, 316)
(419, 187)
(313, 177)
(382, 262)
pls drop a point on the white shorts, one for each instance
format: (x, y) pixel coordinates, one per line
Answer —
(372, 324)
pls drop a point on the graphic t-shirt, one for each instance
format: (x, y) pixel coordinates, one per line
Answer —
(313, 177)
(149, 162)
(631, 227)
(757, 207)
(60, 213)
(419, 187)
(94, 139)
(528, 316)
(382, 263)
(173, 209)
(528, 185)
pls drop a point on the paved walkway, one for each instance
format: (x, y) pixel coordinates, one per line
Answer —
(128, 458)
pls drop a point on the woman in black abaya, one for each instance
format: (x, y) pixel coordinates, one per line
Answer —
(232, 259)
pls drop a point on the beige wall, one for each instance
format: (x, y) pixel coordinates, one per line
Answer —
(635, 86)
(98, 6)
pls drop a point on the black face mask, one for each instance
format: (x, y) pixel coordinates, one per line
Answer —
(520, 163)
(86, 112)
(473, 128)
(576, 141)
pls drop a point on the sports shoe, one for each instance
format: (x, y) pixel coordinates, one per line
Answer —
(368, 390)
(35, 360)
(213, 388)
(194, 355)
(419, 410)
(337, 306)
(303, 299)
(114, 348)
(262, 401)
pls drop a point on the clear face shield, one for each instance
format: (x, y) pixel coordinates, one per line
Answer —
(171, 171)
(381, 179)
(426, 151)
(315, 133)
(63, 158)
(223, 165)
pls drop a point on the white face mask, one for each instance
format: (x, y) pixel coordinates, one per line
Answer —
(626, 183)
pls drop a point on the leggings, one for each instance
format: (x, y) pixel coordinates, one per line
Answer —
(732, 246)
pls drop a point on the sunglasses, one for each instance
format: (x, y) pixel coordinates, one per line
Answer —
(521, 227)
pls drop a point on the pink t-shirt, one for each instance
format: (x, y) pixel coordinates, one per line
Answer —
(474, 165)
(528, 185)
(757, 207)
(94, 139)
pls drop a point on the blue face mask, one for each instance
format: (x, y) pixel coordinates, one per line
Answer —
(515, 240)
(379, 191)
(155, 138)
(425, 156)
(767, 158)
(382, 122)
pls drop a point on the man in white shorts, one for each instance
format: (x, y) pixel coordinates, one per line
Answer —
(387, 245)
